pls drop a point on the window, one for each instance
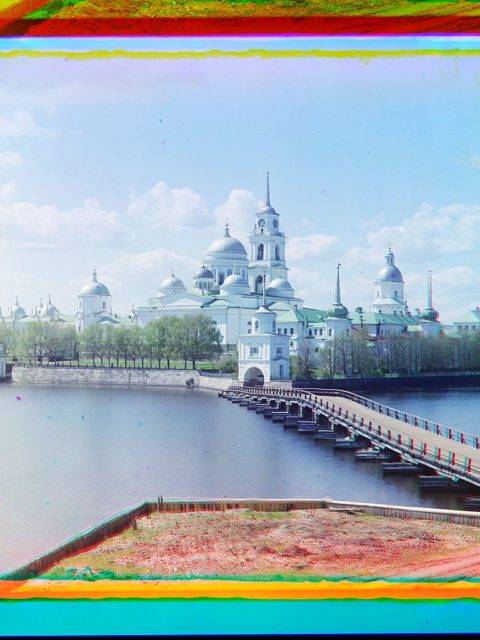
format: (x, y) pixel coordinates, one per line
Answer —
(254, 351)
(229, 272)
(309, 332)
(277, 252)
(285, 331)
(259, 284)
(291, 343)
(260, 252)
(321, 332)
(281, 370)
(221, 278)
(256, 325)
(315, 331)
(279, 351)
(104, 305)
(330, 332)
(316, 350)
(279, 331)
(291, 331)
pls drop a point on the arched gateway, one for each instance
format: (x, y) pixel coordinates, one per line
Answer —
(253, 377)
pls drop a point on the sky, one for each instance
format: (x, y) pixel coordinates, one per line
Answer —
(131, 167)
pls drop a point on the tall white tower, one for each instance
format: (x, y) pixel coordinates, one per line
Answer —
(389, 287)
(267, 247)
(263, 355)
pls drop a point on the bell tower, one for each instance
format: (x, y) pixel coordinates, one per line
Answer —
(267, 247)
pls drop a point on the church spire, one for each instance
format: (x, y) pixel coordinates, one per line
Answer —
(337, 287)
(429, 291)
(268, 189)
(94, 275)
(337, 310)
(227, 229)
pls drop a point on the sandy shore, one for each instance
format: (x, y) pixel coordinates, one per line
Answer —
(297, 543)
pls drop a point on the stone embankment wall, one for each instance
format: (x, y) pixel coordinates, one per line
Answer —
(113, 376)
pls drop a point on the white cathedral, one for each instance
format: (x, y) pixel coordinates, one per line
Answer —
(232, 286)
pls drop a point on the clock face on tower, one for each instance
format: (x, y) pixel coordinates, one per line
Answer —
(261, 223)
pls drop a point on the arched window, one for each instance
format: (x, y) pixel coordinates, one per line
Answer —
(104, 305)
(229, 272)
(277, 252)
(260, 252)
(221, 278)
(259, 284)
(256, 325)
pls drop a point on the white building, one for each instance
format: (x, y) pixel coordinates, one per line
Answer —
(389, 287)
(228, 286)
(263, 354)
(95, 306)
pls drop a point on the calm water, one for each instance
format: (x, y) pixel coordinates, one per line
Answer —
(70, 456)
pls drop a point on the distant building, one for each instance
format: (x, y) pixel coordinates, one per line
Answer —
(232, 284)
(95, 306)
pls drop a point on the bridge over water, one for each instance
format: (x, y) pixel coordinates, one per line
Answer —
(449, 457)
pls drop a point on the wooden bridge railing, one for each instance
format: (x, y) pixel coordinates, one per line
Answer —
(446, 459)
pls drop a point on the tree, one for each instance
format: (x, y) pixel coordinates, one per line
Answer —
(196, 338)
(306, 361)
(157, 335)
(91, 342)
(122, 343)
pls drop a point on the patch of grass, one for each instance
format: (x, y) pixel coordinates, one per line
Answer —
(265, 515)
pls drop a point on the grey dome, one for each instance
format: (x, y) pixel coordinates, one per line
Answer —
(235, 283)
(337, 310)
(204, 272)
(172, 283)
(17, 312)
(94, 288)
(390, 273)
(227, 246)
(49, 310)
(280, 287)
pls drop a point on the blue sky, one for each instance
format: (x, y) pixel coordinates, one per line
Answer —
(131, 166)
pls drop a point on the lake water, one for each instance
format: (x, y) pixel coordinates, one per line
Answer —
(71, 456)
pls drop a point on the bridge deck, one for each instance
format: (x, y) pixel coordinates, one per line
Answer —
(450, 452)
(406, 430)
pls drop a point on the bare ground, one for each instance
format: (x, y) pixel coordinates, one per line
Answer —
(297, 543)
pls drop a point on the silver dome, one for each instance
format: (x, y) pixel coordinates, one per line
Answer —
(227, 246)
(204, 272)
(94, 288)
(235, 283)
(49, 310)
(172, 283)
(390, 273)
(280, 287)
(17, 312)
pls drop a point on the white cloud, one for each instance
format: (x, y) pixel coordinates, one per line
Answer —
(169, 208)
(133, 277)
(310, 246)
(430, 232)
(10, 159)
(27, 226)
(21, 123)
(239, 209)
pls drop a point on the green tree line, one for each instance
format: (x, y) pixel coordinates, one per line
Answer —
(413, 354)
(190, 339)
